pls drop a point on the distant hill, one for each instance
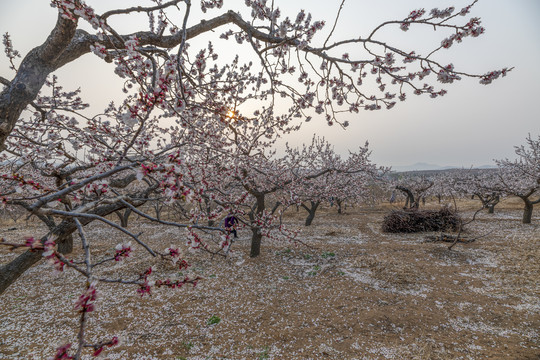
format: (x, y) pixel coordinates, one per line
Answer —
(432, 167)
(420, 166)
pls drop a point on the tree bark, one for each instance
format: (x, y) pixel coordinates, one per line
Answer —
(158, 208)
(311, 211)
(339, 209)
(124, 217)
(208, 209)
(256, 237)
(31, 75)
(65, 245)
(13, 270)
(527, 211)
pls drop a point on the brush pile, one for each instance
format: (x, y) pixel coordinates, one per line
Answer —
(410, 221)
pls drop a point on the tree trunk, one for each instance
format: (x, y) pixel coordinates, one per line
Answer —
(494, 201)
(485, 203)
(339, 209)
(488, 201)
(158, 208)
(11, 271)
(527, 212)
(310, 218)
(256, 239)
(208, 210)
(311, 211)
(410, 202)
(124, 218)
(32, 73)
(65, 246)
(256, 236)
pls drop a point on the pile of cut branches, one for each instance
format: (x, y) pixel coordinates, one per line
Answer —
(412, 220)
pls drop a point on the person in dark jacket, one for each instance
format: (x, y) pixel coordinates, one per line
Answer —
(230, 223)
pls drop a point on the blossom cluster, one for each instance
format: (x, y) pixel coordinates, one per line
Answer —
(73, 9)
(85, 303)
(122, 251)
(11, 53)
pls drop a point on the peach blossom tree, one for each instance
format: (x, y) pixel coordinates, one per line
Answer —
(521, 177)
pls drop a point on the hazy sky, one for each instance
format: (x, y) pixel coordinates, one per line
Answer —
(472, 125)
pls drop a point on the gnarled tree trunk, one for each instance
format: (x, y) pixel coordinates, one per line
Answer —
(31, 75)
(311, 211)
(411, 202)
(528, 208)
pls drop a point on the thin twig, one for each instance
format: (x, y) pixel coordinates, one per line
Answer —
(335, 23)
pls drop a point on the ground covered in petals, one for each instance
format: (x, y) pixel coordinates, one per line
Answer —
(352, 292)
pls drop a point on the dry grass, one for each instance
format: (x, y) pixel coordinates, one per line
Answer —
(356, 294)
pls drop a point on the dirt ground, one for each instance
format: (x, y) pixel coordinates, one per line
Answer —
(354, 293)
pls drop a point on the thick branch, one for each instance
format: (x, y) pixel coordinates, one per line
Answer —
(34, 69)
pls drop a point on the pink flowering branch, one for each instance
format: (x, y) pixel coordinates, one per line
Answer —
(102, 219)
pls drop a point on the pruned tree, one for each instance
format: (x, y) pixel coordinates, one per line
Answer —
(348, 178)
(414, 188)
(479, 184)
(521, 177)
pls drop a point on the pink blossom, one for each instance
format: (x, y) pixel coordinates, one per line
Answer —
(122, 251)
(85, 303)
(62, 353)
